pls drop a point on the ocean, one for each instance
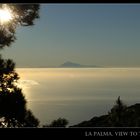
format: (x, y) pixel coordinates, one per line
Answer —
(77, 94)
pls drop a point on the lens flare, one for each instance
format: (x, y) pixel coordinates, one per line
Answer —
(5, 15)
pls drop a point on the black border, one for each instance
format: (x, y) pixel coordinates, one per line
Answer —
(70, 1)
(44, 133)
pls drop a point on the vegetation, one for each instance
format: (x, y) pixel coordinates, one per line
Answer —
(119, 116)
(23, 15)
(60, 122)
(13, 111)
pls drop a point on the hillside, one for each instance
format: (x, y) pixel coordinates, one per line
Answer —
(128, 117)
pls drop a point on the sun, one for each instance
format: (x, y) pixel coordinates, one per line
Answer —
(5, 15)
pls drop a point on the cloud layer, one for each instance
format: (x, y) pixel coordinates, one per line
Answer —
(27, 83)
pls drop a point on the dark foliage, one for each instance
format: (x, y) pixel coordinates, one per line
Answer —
(30, 120)
(13, 111)
(60, 122)
(119, 116)
(23, 14)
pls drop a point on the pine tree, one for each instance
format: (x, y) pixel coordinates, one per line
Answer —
(117, 114)
(13, 110)
(23, 15)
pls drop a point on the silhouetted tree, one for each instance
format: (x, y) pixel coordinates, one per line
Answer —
(13, 111)
(117, 114)
(23, 14)
(60, 122)
(30, 120)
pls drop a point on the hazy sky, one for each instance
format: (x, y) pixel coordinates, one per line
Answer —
(93, 34)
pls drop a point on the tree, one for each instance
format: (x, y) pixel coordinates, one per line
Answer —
(60, 122)
(13, 111)
(23, 14)
(30, 120)
(117, 114)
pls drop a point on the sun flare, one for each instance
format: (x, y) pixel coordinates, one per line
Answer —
(5, 15)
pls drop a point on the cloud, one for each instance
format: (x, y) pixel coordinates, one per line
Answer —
(28, 83)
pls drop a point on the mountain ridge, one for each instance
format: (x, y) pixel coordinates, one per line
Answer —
(66, 64)
(69, 64)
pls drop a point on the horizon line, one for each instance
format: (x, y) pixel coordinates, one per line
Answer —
(82, 67)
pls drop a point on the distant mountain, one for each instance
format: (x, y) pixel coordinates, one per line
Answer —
(69, 64)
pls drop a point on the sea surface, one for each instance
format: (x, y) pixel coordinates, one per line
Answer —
(77, 94)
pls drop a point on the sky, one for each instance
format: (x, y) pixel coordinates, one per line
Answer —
(93, 34)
